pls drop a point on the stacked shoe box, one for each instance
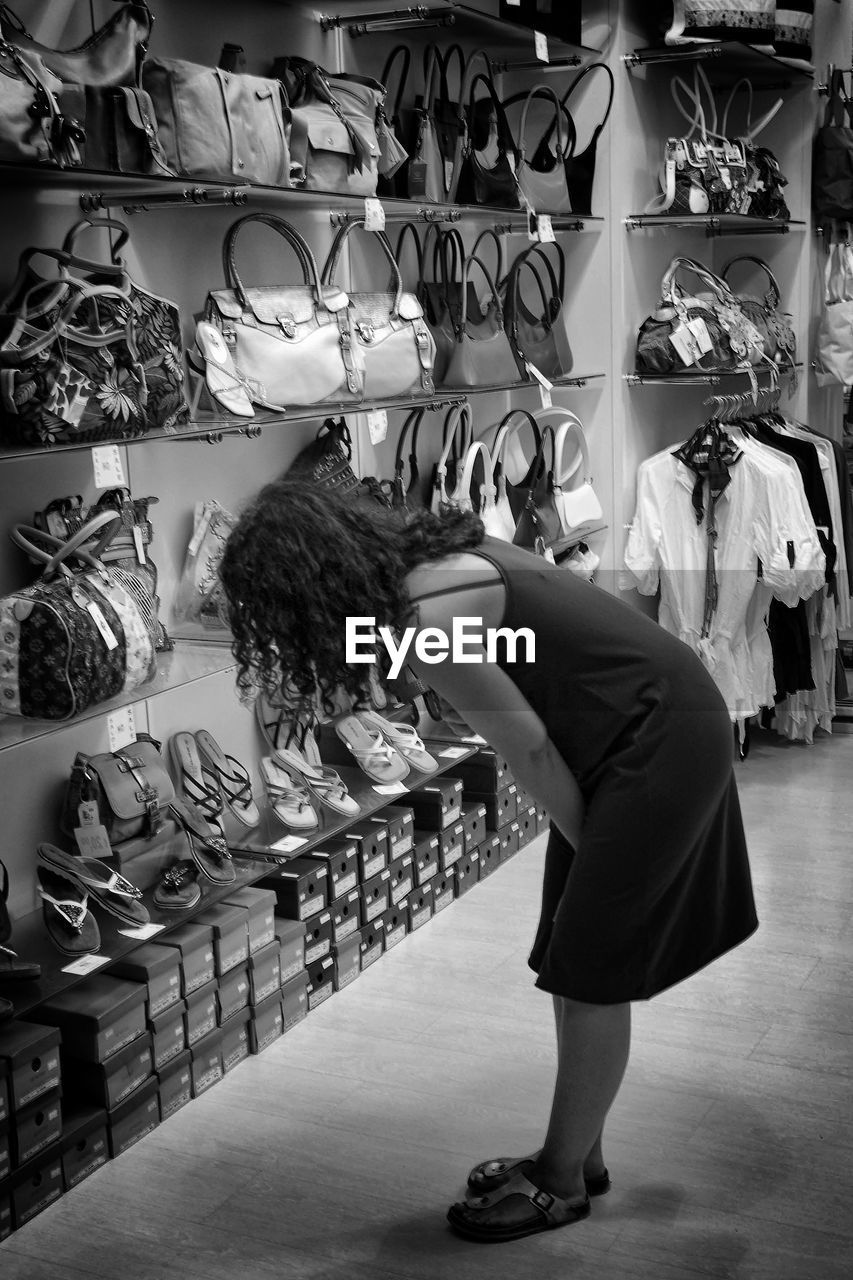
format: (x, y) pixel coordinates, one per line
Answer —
(439, 842)
(225, 1044)
(191, 945)
(301, 892)
(339, 858)
(251, 1025)
(372, 839)
(30, 1122)
(398, 820)
(488, 786)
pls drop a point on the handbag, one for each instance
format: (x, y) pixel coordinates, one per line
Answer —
(486, 165)
(120, 126)
(542, 178)
(219, 124)
(834, 344)
(482, 355)
(540, 525)
(76, 636)
(406, 495)
(538, 337)
(390, 338)
(400, 122)
(82, 361)
(578, 168)
(290, 343)
(832, 160)
(112, 55)
(683, 21)
(457, 438)
(200, 596)
(780, 343)
(428, 175)
(792, 30)
(432, 293)
(33, 125)
(763, 197)
(475, 489)
(513, 468)
(577, 502)
(130, 789)
(327, 461)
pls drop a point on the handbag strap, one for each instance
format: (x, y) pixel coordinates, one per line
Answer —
(453, 51)
(310, 271)
(410, 230)
(410, 427)
(337, 248)
(774, 296)
(459, 417)
(506, 142)
(491, 234)
(477, 449)
(69, 244)
(509, 426)
(13, 355)
(402, 53)
(563, 140)
(568, 427)
(28, 538)
(433, 70)
(470, 261)
(593, 66)
(752, 130)
(540, 469)
(697, 117)
(671, 293)
(535, 258)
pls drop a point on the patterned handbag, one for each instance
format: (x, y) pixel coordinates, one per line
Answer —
(683, 21)
(77, 636)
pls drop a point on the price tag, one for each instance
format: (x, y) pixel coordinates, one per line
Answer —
(101, 623)
(121, 728)
(453, 753)
(144, 931)
(545, 387)
(202, 521)
(391, 789)
(377, 425)
(139, 544)
(93, 841)
(86, 964)
(374, 214)
(288, 843)
(540, 45)
(107, 465)
(699, 329)
(476, 740)
(544, 228)
(87, 813)
(685, 344)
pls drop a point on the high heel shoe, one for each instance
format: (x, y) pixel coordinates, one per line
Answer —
(221, 378)
(403, 737)
(232, 779)
(207, 848)
(295, 746)
(199, 786)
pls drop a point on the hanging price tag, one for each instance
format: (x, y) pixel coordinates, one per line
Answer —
(101, 623)
(121, 729)
(109, 472)
(139, 544)
(544, 228)
(699, 329)
(377, 425)
(202, 521)
(545, 387)
(685, 344)
(93, 842)
(540, 44)
(374, 214)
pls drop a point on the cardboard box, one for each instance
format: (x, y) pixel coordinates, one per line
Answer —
(426, 855)
(267, 1024)
(35, 1187)
(230, 935)
(400, 821)
(321, 981)
(510, 838)
(490, 855)
(202, 1010)
(370, 837)
(372, 944)
(4, 1090)
(260, 905)
(420, 907)
(36, 1126)
(466, 872)
(375, 896)
(31, 1054)
(265, 973)
(395, 923)
(485, 773)
(300, 888)
(233, 993)
(168, 1034)
(436, 804)
(527, 826)
(473, 823)
(543, 820)
(290, 935)
(347, 962)
(155, 968)
(108, 1083)
(402, 877)
(294, 1000)
(135, 1118)
(235, 1039)
(500, 807)
(318, 938)
(98, 1016)
(5, 1152)
(339, 857)
(451, 846)
(176, 1084)
(194, 942)
(443, 890)
(346, 917)
(85, 1145)
(207, 1068)
(5, 1216)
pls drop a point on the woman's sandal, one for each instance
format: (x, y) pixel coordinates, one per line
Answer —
(295, 746)
(110, 890)
(492, 1174)
(231, 778)
(473, 1219)
(374, 756)
(221, 378)
(403, 737)
(178, 888)
(197, 785)
(207, 848)
(70, 925)
(291, 803)
(12, 969)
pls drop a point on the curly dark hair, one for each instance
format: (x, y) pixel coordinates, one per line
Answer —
(300, 561)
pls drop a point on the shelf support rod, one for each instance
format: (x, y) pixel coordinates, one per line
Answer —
(140, 202)
(361, 24)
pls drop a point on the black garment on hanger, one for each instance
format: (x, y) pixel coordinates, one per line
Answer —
(805, 456)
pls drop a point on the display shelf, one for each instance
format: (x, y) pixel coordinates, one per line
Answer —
(731, 57)
(188, 662)
(699, 379)
(713, 224)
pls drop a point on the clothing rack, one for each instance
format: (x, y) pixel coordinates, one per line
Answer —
(730, 406)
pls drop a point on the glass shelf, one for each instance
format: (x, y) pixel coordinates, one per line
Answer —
(187, 662)
(727, 60)
(699, 379)
(714, 224)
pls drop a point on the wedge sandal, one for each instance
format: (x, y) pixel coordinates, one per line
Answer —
(103, 885)
(290, 802)
(475, 1220)
(295, 746)
(374, 756)
(196, 785)
(232, 780)
(70, 925)
(403, 737)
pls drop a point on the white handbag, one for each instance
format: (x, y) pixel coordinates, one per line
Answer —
(458, 438)
(463, 496)
(834, 346)
(580, 510)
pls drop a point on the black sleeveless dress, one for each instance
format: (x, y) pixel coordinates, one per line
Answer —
(660, 883)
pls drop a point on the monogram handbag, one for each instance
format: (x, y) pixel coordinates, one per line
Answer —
(34, 127)
(482, 355)
(82, 361)
(130, 789)
(538, 334)
(112, 55)
(77, 636)
(390, 337)
(780, 343)
(290, 343)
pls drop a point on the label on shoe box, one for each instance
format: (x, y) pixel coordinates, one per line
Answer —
(176, 1085)
(436, 804)
(346, 916)
(443, 891)
(233, 993)
(38, 1188)
(136, 1118)
(194, 943)
(395, 924)
(37, 1126)
(340, 858)
(320, 981)
(300, 888)
(267, 1024)
(402, 877)
(347, 960)
(375, 896)
(201, 1013)
(420, 907)
(265, 973)
(31, 1054)
(426, 855)
(371, 841)
(451, 846)
(473, 823)
(294, 1001)
(168, 1035)
(85, 1147)
(318, 938)
(372, 943)
(490, 855)
(235, 1040)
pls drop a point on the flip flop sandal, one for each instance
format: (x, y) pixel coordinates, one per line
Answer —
(324, 781)
(198, 785)
(178, 889)
(235, 785)
(70, 925)
(110, 890)
(291, 803)
(283, 733)
(220, 373)
(492, 1174)
(403, 737)
(14, 970)
(209, 851)
(546, 1213)
(7, 1010)
(375, 757)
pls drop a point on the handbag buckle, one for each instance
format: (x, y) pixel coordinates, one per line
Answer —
(287, 325)
(366, 331)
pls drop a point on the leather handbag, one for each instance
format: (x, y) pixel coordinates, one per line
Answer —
(538, 336)
(83, 361)
(580, 166)
(406, 493)
(457, 438)
(112, 55)
(780, 343)
(128, 792)
(475, 487)
(486, 167)
(577, 502)
(400, 120)
(482, 354)
(513, 467)
(541, 172)
(832, 159)
(290, 343)
(120, 126)
(431, 288)
(76, 636)
(327, 461)
(685, 21)
(430, 172)
(390, 337)
(34, 127)
(540, 525)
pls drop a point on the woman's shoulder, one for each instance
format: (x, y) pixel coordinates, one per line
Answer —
(454, 572)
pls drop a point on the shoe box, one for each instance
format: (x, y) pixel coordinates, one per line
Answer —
(99, 1016)
(345, 914)
(176, 1084)
(33, 1188)
(400, 822)
(294, 1000)
(235, 1039)
(474, 815)
(395, 923)
(443, 890)
(259, 905)
(29, 1054)
(233, 993)
(230, 935)
(267, 1023)
(290, 936)
(490, 854)
(420, 907)
(321, 981)
(485, 773)
(372, 943)
(437, 804)
(300, 888)
(5, 1151)
(375, 896)
(370, 837)
(501, 806)
(451, 845)
(157, 970)
(108, 1083)
(134, 1118)
(143, 859)
(466, 872)
(510, 838)
(5, 1215)
(85, 1144)
(201, 1015)
(194, 943)
(4, 1087)
(402, 877)
(346, 958)
(265, 973)
(339, 857)
(528, 825)
(207, 1069)
(35, 1127)
(427, 845)
(318, 938)
(543, 821)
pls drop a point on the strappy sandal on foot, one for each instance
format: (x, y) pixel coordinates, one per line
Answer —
(178, 888)
(476, 1219)
(208, 850)
(403, 737)
(492, 1174)
(105, 886)
(70, 925)
(235, 785)
(290, 803)
(295, 746)
(374, 756)
(221, 378)
(198, 785)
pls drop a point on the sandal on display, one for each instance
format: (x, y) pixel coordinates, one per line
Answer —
(12, 969)
(220, 374)
(403, 737)
(234, 783)
(198, 785)
(296, 748)
(105, 886)
(178, 888)
(492, 1174)
(70, 925)
(7, 1009)
(476, 1219)
(374, 756)
(291, 803)
(207, 848)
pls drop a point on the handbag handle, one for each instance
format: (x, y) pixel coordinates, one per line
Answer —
(107, 521)
(506, 142)
(337, 248)
(557, 279)
(411, 426)
(752, 130)
(463, 317)
(513, 299)
(545, 91)
(509, 426)
(310, 271)
(69, 244)
(491, 234)
(774, 296)
(568, 426)
(14, 357)
(671, 293)
(396, 52)
(458, 417)
(700, 83)
(433, 73)
(462, 494)
(453, 51)
(540, 467)
(593, 66)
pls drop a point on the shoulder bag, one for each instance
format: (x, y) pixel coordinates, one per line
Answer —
(482, 354)
(400, 122)
(578, 168)
(486, 169)
(131, 790)
(832, 160)
(513, 467)
(34, 126)
(780, 343)
(290, 343)
(431, 287)
(427, 177)
(458, 436)
(475, 489)
(77, 636)
(834, 345)
(406, 494)
(577, 502)
(538, 336)
(540, 524)
(113, 55)
(542, 177)
(390, 338)
(689, 331)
